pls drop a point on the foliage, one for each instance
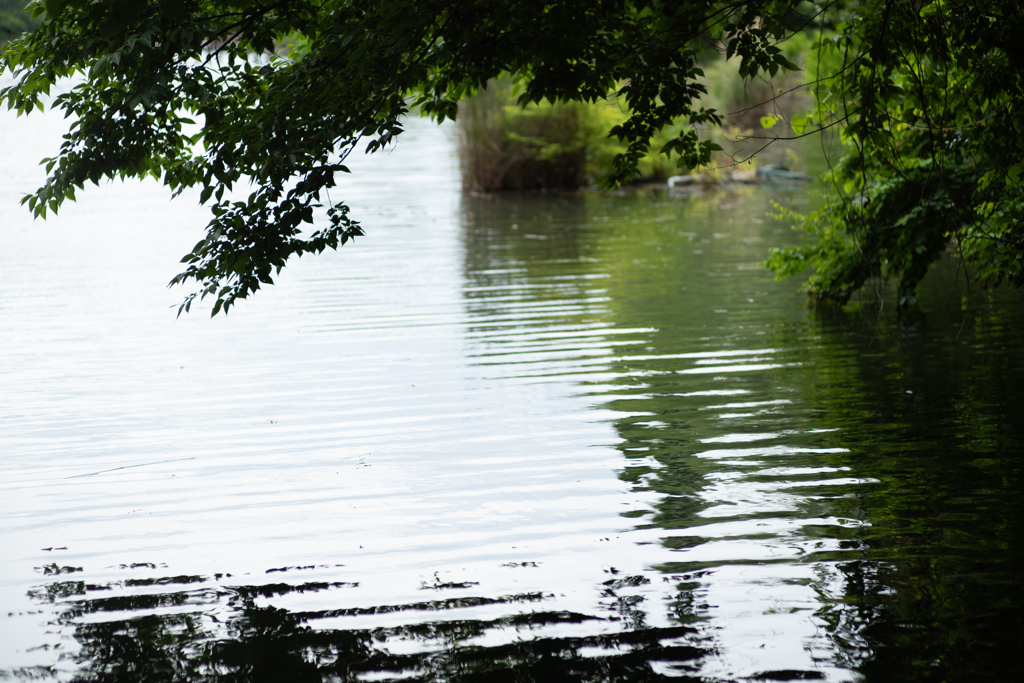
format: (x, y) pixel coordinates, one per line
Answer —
(929, 102)
(743, 101)
(282, 91)
(605, 115)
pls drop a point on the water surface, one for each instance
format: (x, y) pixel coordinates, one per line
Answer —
(541, 437)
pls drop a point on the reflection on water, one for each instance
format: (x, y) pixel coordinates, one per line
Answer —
(543, 437)
(231, 633)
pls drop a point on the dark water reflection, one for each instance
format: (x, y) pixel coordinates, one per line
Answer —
(872, 459)
(250, 642)
(799, 495)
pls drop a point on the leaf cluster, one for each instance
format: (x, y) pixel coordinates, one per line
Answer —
(928, 98)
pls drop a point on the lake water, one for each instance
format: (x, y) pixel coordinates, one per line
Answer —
(500, 438)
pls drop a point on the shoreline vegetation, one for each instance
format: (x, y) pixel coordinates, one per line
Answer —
(14, 20)
(928, 130)
(565, 146)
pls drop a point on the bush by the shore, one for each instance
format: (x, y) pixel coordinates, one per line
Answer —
(14, 21)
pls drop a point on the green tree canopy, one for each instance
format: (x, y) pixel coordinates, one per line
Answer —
(278, 93)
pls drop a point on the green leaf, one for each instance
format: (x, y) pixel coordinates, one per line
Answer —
(781, 60)
(55, 8)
